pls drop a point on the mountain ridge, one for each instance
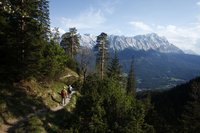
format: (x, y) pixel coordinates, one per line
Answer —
(150, 41)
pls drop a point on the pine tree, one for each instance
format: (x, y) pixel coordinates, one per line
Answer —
(4, 47)
(43, 17)
(34, 35)
(191, 110)
(55, 60)
(25, 37)
(114, 69)
(55, 57)
(130, 88)
(102, 54)
(70, 42)
(9, 49)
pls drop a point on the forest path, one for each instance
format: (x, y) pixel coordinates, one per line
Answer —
(59, 107)
(12, 123)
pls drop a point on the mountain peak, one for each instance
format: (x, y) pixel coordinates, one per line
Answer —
(150, 41)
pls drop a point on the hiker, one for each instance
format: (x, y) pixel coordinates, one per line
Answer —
(63, 95)
(69, 90)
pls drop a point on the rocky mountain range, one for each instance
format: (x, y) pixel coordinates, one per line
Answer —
(140, 42)
(158, 63)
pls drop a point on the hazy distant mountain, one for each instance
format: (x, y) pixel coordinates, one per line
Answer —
(140, 42)
(158, 63)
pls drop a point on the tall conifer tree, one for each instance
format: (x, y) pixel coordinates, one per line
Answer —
(131, 84)
(102, 54)
(25, 31)
(70, 42)
(43, 18)
(114, 69)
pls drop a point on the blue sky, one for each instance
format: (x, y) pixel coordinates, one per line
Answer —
(177, 20)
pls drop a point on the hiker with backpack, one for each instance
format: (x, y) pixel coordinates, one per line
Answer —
(69, 90)
(64, 96)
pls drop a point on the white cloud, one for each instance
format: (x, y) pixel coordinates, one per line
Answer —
(186, 38)
(87, 20)
(198, 3)
(139, 25)
(109, 6)
(61, 31)
(183, 37)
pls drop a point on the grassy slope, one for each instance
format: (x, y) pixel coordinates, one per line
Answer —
(27, 97)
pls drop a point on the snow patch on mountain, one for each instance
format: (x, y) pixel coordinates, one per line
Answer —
(140, 42)
(88, 40)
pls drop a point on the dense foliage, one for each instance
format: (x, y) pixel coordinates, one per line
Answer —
(25, 48)
(114, 68)
(131, 83)
(175, 110)
(104, 107)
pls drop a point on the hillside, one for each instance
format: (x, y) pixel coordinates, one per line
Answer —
(174, 110)
(101, 103)
(28, 99)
